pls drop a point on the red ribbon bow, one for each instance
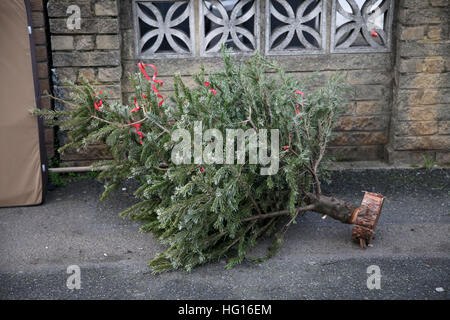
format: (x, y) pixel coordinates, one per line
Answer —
(98, 104)
(139, 133)
(155, 90)
(297, 92)
(136, 104)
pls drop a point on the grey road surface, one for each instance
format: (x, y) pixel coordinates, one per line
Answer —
(318, 260)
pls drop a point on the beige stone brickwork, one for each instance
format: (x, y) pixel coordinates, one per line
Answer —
(397, 112)
(421, 105)
(91, 52)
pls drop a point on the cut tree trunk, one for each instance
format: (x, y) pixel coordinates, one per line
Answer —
(364, 218)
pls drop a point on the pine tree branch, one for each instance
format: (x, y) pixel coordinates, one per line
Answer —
(313, 170)
(278, 213)
(117, 124)
(61, 100)
(238, 238)
(263, 229)
(254, 203)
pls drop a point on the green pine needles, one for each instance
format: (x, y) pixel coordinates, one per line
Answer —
(205, 212)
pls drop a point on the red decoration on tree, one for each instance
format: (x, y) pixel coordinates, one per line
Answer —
(98, 104)
(139, 133)
(207, 85)
(297, 92)
(142, 67)
(136, 104)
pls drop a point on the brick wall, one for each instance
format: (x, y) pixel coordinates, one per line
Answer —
(363, 130)
(421, 109)
(91, 52)
(40, 32)
(400, 104)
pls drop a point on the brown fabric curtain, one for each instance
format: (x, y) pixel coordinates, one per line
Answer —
(20, 156)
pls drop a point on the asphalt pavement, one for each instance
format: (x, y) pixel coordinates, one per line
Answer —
(317, 261)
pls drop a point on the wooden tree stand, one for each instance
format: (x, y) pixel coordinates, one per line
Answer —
(364, 218)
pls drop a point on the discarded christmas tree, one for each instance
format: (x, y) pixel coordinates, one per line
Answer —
(204, 208)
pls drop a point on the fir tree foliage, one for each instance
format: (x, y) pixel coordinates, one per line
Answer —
(208, 212)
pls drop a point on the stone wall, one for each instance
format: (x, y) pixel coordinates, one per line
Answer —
(399, 109)
(421, 112)
(92, 52)
(364, 128)
(40, 33)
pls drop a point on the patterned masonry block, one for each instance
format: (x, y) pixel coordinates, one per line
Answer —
(164, 29)
(230, 22)
(361, 26)
(295, 27)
